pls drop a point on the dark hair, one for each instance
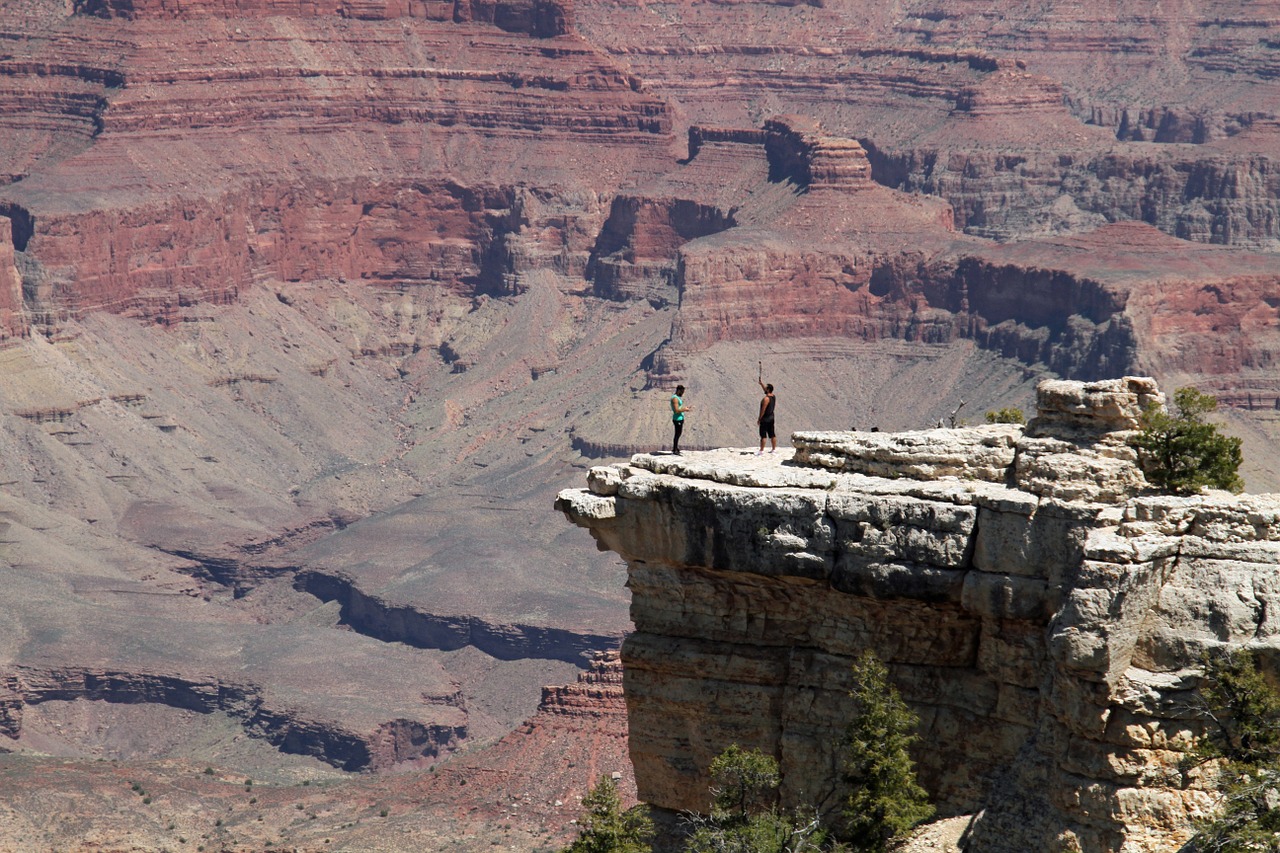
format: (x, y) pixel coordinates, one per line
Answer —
(679, 389)
(768, 389)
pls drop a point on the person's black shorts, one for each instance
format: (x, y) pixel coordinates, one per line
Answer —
(766, 429)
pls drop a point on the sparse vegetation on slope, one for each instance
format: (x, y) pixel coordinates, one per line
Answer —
(744, 818)
(884, 804)
(1007, 415)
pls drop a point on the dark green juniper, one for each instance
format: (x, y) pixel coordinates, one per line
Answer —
(1181, 452)
(743, 817)
(1243, 737)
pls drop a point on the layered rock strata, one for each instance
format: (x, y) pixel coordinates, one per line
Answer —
(537, 17)
(1027, 120)
(145, 172)
(840, 255)
(1042, 613)
(289, 729)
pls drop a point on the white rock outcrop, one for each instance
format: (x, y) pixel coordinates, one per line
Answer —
(1043, 615)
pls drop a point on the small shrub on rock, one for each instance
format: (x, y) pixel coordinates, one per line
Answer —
(1007, 415)
(743, 818)
(1181, 452)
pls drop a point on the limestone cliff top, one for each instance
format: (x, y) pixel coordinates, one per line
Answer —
(1040, 607)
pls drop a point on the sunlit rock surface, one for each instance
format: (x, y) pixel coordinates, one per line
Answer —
(1037, 606)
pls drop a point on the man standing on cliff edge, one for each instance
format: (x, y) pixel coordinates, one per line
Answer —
(765, 420)
(678, 408)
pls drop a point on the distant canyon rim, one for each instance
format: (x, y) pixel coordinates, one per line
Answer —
(309, 309)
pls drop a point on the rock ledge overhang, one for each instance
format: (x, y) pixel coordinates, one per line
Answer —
(1039, 608)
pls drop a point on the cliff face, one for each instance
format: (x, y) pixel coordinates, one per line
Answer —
(1043, 617)
(380, 246)
(145, 172)
(13, 322)
(383, 746)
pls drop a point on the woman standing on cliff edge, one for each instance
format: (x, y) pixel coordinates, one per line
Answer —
(678, 408)
(765, 420)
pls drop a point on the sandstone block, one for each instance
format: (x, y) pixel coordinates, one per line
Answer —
(1013, 652)
(974, 453)
(1075, 473)
(585, 507)
(1043, 543)
(1114, 404)
(605, 480)
(1045, 628)
(1019, 705)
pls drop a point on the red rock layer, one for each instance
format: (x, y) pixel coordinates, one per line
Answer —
(844, 258)
(1020, 137)
(597, 693)
(186, 192)
(799, 150)
(578, 735)
(635, 255)
(1182, 309)
(849, 259)
(542, 18)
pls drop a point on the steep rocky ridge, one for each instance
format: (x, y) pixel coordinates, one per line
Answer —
(391, 742)
(1033, 605)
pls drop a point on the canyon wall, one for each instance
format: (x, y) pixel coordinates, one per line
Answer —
(845, 257)
(543, 18)
(13, 321)
(1041, 612)
(1028, 121)
(144, 172)
(1185, 193)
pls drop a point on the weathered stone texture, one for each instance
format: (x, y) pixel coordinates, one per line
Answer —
(981, 453)
(1048, 632)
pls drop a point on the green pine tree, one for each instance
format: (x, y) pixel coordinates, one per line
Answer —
(1243, 738)
(743, 818)
(885, 800)
(1181, 452)
(742, 783)
(606, 828)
